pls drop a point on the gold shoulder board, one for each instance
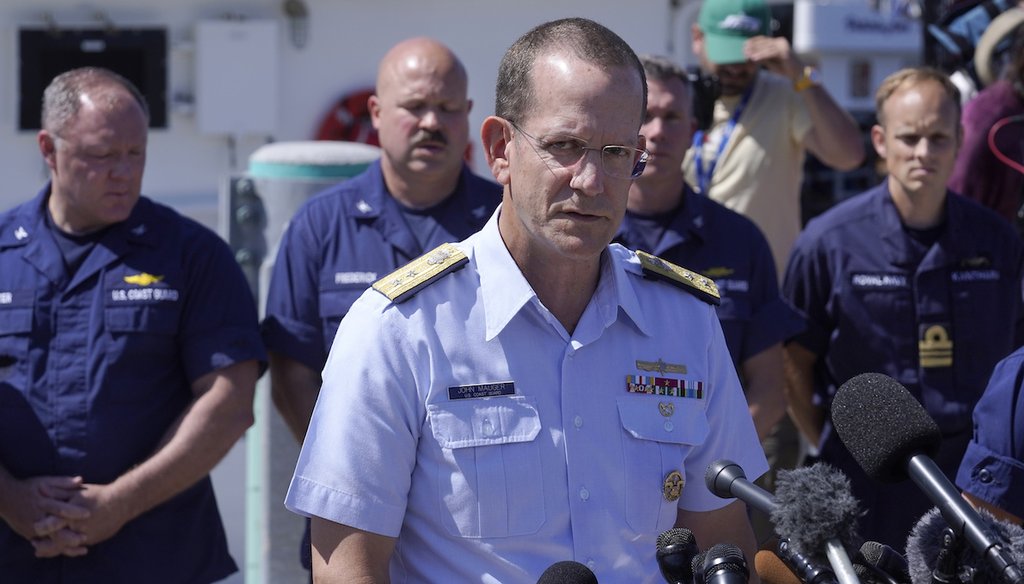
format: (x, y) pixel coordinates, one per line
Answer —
(406, 281)
(694, 283)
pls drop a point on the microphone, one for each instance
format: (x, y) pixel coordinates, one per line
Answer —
(816, 511)
(697, 567)
(891, 436)
(935, 554)
(784, 566)
(800, 519)
(877, 563)
(724, 563)
(676, 550)
(567, 572)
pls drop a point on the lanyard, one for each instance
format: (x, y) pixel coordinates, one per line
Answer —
(704, 174)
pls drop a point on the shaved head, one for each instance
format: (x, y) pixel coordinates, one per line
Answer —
(422, 54)
(421, 113)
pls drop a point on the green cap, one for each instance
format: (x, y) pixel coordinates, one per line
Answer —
(727, 24)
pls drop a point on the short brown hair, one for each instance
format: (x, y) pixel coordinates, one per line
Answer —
(588, 40)
(914, 76)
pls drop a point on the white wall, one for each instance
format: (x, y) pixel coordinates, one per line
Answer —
(346, 38)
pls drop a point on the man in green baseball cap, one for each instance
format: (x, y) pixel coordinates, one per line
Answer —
(727, 24)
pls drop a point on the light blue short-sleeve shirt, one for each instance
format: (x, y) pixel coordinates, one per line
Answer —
(470, 425)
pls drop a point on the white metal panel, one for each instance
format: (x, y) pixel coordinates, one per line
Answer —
(237, 76)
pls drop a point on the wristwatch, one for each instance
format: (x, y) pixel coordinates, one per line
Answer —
(810, 77)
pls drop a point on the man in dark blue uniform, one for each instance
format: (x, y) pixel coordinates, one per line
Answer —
(908, 281)
(419, 195)
(665, 218)
(131, 352)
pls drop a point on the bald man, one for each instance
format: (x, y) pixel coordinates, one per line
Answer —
(419, 195)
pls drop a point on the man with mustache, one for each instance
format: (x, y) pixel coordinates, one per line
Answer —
(418, 195)
(908, 280)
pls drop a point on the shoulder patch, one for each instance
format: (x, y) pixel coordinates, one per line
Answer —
(694, 283)
(406, 281)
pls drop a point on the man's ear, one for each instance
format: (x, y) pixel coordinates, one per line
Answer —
(373, 105)
(878, 140)
(48, 148)
(496, 138)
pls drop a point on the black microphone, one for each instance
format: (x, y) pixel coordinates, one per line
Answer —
(697, 567)
(807, 570)
(890, 435)
(567, 572)
(724, 563)
(877, 563)
(676, 550)
(935, 554)
(818, 513)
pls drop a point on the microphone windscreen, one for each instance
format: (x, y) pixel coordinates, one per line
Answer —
(882, 425)
(567, 572)
(925, 543)
(772, 570)
(814, 505)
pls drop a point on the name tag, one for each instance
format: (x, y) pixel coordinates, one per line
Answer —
(976, 276)
(481, 390)
(879, 281)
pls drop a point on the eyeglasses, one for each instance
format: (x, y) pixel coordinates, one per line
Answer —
(616, 161)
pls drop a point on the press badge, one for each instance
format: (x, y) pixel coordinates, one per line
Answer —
(479, 390)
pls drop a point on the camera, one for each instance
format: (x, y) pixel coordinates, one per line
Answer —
(704, 89)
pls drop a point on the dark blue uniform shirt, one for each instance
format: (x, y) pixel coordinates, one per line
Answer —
(993, 467)
(935, 317)
(344, 239)
(101, 364)
(706, 237)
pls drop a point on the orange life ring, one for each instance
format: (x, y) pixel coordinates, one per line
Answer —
(349, 119)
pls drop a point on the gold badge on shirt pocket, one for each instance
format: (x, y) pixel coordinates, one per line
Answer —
(672, 488)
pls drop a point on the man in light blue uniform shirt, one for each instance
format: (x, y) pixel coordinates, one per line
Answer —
(532, 394)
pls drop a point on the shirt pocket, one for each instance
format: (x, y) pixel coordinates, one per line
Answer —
(142, 344)
(15, 329)
(489, 481)
(657, 436)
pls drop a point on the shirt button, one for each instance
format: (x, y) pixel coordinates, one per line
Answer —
(584, 494)
(985, 476)
(591, 564)
(577, 421)
(668, 426)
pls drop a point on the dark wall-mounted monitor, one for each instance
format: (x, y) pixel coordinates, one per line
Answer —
(139, 54)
